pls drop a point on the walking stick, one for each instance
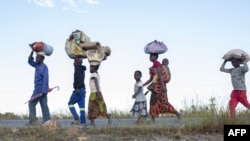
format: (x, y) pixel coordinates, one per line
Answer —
(39, 95)
(146, 92)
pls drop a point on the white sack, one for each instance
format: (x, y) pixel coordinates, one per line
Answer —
(155, 47)
(236, 53)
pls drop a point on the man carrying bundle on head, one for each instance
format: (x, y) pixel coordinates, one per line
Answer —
(237, 73)
(41, 86)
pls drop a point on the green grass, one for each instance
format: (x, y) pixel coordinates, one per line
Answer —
(211, 121)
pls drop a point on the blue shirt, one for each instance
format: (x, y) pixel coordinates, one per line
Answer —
(41, 82)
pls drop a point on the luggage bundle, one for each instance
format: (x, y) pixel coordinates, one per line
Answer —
(79, 44)
(96, 56)
(237, 54)
(41, 48)
(155, 47)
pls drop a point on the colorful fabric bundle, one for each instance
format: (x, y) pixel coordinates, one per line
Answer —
(41, 48)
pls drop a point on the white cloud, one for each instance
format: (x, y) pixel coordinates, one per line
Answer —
(75, 6)
(69, 5)
(43, 3)
(92, 1)
(75, 3)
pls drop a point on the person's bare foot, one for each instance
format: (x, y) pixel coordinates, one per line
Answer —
(109, 116)
(92, 122)
(179, 116)
(153, 119)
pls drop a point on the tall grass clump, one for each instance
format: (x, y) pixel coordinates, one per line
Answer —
(120, 114)
(10, 115)
(61, 114)
(211, 118)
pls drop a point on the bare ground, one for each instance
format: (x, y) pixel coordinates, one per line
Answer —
(197, 137)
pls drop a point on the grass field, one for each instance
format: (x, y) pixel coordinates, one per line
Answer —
(209, 128)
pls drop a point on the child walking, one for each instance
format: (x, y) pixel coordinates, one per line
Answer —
(96, 106)
(238, 93)
(139, 109)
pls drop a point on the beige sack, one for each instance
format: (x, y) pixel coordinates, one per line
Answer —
(78, 43)
(73, 49)
(84, 37)
(95, 56)
(107, 50)
(236, 53)
(90, 45)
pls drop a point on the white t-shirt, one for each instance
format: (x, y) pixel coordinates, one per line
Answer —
(92, 82)
(140, 96)
(237, 76)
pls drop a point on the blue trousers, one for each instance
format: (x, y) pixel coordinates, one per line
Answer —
(44, 107)
(80, 100)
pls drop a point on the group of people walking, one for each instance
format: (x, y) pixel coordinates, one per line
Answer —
(96, 105)
(159, 104)
(156, 84)
(159, 76)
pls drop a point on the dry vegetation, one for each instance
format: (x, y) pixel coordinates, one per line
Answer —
(209, 127)
(142, 133)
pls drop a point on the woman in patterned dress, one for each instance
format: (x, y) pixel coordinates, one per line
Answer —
(158, 101)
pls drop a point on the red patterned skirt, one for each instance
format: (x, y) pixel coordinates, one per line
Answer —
(158, 101)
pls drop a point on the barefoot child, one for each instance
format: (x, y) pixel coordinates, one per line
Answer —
(139, 109)
(96, 106)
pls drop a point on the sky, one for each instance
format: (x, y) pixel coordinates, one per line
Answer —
(197, 33)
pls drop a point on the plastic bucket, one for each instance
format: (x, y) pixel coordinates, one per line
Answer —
(77, 36)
